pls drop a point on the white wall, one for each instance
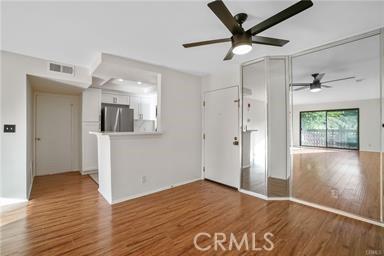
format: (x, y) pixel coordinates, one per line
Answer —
(14, 160)
(370, 125)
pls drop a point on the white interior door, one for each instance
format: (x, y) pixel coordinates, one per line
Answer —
(53, 134)
(221, 129)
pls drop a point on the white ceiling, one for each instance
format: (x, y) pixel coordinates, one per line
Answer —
(74, 32)
(359, 59)
(53, 86)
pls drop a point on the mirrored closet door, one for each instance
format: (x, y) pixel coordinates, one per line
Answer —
(254, 128)
(336, 127)
(264, 136)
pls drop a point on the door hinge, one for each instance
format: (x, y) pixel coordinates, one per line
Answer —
(203, 168)
(203, 136)
(238, 102)
(203, 103)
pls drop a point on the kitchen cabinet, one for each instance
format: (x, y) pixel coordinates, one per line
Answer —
(91, 101)
(144, 107)
(113, 98)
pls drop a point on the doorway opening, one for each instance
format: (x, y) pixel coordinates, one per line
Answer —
(54, 127)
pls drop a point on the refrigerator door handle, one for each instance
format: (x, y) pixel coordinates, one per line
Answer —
(117, 119)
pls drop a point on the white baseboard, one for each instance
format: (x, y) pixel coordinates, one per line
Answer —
(4, 201)
(261, 196)
(58, 172)
(119, 200)
(317, 206)
(86, 172)
(336, 211)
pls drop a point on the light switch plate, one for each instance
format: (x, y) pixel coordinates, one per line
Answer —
(9, 128)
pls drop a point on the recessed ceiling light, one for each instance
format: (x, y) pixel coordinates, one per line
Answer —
(139, 82)
(120, 79)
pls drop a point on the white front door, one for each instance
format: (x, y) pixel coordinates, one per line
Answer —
(221, 131)
(53, 134)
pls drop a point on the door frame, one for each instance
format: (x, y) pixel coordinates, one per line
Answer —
(239, 117)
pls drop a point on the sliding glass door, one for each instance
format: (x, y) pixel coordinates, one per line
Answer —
(330, 128)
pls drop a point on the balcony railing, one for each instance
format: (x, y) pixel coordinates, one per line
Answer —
(340, 138)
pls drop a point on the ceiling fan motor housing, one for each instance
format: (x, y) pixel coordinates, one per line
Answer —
(241, 39)
(315, 85)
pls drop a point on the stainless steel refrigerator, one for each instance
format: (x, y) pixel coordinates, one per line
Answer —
(116, 118)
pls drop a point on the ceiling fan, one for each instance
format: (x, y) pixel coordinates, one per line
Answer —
(241, 39)
(316, 84)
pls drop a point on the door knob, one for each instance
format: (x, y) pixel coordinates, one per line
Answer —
(38, 139)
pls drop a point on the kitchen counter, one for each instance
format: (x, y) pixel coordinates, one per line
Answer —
(126, 133)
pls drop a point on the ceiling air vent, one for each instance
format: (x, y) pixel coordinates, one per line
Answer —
(55, 67)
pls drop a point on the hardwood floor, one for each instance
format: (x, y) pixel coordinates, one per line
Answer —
(342, 179)
(253, 179)
(67, 216)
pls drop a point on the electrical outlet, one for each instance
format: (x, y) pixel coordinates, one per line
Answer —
(335, 193)
(9, 128)
(143, 179)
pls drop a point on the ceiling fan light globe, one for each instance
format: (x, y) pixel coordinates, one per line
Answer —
(242, 49)
(315, 89)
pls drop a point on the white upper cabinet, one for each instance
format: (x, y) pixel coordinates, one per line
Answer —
(113, 98)
(148, 107)
(144, 107)
(91, 100)
(135, 103)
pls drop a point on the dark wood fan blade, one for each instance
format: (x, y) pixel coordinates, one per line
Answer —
(229, 55)
(222, 12)
(326, 86)
(281, 16)
(301, 88)
(301, 84)
(215, 41)
(336, 80)
(268, 41)
(320, 76)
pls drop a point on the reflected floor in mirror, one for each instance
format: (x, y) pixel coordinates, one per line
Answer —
(347, 180)
(253, 179)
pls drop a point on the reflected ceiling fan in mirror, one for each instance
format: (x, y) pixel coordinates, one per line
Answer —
(241, 39)
(317, 84)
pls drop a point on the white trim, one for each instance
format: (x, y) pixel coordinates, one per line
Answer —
(317, 206)
(4, 201)
(119, 200)
(253, 194)
(336, 211)
(30, 187)
(90, 171)
(382, 121)
(261, 196)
